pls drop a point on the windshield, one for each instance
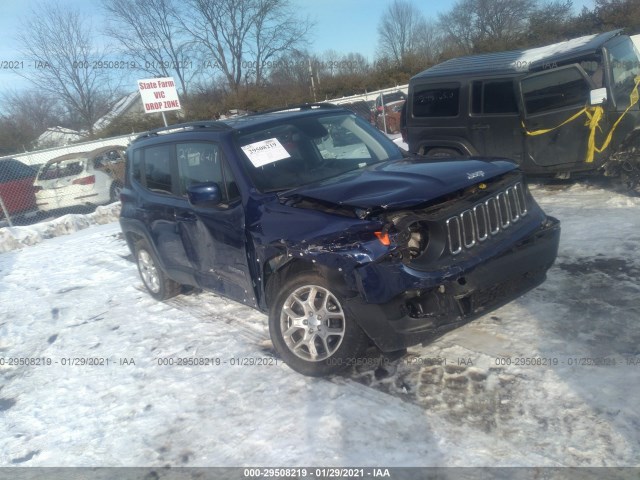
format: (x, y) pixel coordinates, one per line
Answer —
(625, 66)
(61, 169)
(301, 151)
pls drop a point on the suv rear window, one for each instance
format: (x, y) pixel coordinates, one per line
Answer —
(436, 101)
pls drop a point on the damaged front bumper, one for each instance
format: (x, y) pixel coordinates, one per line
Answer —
(398, 306)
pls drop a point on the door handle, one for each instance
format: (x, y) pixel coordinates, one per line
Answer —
(480, 126)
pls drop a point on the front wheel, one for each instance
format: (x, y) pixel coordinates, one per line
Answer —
(311, 330)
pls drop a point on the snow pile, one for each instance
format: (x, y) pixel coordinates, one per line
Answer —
(12, 238)
(401, 143)
(95, 372)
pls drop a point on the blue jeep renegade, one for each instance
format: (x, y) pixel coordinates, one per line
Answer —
(311, 215)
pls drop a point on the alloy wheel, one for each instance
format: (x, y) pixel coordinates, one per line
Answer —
(312, 323)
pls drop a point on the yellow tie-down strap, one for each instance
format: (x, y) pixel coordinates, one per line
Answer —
(594, 115)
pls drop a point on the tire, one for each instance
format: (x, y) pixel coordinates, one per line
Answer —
(442, 152)
(314, 337)
(114, 191)
(154, 279)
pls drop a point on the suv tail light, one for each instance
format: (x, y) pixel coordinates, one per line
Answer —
(90, 180)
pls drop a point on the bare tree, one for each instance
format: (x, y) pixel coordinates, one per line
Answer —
(150, 34)
(458, 27)
(551, 22)
(26, 114)
(618, 14)
(276, 31)
(399, 31)
(484, 25)
(221, 27)
(33, 109)
(59, 45)
(241, 36)
(353, 64)
(292, 69)
(326, 64)
(428, 44)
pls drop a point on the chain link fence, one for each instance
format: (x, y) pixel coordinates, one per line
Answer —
(382, 108)
(76, 178)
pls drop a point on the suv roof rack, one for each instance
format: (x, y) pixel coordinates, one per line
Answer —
(183, 127)
(298, 106)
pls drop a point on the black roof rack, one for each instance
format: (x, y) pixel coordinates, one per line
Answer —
(298, 106)
(183, 127)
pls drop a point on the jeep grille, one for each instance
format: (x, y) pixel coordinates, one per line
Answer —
(486, 219)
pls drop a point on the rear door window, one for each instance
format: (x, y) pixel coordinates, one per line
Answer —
(157, 168)
(493, 97)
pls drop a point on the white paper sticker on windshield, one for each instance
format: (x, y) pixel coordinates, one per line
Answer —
(265, 152)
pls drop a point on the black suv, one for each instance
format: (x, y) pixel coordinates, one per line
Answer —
(313, 216)
(560, 109)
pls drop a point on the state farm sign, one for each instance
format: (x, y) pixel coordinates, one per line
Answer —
(159, 94)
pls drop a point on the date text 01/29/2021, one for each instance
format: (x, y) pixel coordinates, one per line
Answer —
(218, 361)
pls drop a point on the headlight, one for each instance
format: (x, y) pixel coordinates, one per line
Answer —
(413, 240)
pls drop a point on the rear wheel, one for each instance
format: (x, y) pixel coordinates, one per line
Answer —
(311, 330)
(157, 283)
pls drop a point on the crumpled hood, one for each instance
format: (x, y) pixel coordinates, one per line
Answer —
(403, 183)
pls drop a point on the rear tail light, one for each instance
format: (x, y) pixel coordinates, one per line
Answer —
(90, 180)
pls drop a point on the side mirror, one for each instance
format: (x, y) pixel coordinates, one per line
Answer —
(598, 96)
(204, 194)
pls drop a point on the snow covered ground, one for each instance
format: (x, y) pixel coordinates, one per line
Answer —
(551, 379)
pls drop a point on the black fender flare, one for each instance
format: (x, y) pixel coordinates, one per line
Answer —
(458, 144)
